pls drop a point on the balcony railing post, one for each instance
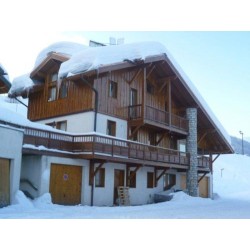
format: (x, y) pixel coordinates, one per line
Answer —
(112, 149)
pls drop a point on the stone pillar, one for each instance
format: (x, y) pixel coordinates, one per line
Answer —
(192, 175)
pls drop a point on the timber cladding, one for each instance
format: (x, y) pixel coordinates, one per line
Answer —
(4, 182)
(66, 184)
(79, 98)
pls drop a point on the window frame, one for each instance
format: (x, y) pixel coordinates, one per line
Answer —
(150, 179)
(52, 87)
(100, 178)
(111, 128)
(113, 89)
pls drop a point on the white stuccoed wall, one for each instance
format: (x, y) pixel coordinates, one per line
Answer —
(84, 123)
(11, 148)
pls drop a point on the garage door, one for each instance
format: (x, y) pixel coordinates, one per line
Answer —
(4, 182)
(65, 184)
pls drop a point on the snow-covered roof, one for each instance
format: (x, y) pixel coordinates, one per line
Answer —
(96, 57)
(84, 59)
(65, 48)
(199, 98)
(21, 83)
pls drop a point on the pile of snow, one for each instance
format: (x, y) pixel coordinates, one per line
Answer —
(96, 57)
(65, 48)
(43, 201)
(20, 84)
(231, 176)
(13, 105)
(21, 200)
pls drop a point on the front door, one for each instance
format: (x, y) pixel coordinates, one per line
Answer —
(118, 181)
(65, 184)
(4, 182)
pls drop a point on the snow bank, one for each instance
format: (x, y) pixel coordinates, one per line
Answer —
(231, 176)
(43, 201)
(22, 200)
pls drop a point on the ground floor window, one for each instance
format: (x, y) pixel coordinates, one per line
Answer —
(132, 179)
(169, 181)
(150, 179)
(100, 178)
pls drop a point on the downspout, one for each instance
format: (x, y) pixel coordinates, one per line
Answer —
(96, 100)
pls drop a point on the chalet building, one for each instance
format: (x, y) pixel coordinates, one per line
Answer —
(129, 117)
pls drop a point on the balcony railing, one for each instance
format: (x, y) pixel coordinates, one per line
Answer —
(103, 145)
(159, 116)
(107, 146)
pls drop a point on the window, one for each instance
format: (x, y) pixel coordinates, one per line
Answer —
(150, 88)
(111, 128)
(132, 179)
(62, 125)
(150, 180)
(64, 90)
(152, 138)
(52, 87)
(52, 94)
(113, 89)
(134, 133)
(169, 181)
(100, 178)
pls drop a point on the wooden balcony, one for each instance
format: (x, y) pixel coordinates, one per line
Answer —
(94, 146)
(158, 118)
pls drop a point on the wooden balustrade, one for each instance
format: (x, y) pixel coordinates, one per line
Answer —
(159, 116)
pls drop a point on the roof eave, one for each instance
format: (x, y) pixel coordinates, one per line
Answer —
(198, 102)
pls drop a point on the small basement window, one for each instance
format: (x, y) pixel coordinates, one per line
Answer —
(113, 89)
(150, 180)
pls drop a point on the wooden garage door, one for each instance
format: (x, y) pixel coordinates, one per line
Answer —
(183, 182)
(65, 184)
(203, 187)
(4, 182)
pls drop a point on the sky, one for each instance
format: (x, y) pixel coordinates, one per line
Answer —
(215, 58)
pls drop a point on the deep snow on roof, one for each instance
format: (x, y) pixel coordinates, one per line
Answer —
(84, 59)
(96, 57)
(21, 83)
(65, 48)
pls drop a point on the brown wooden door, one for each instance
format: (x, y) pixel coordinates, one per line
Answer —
(65, 184)
(203, 187)
(4, 182)
(183, 182)
(118, 181)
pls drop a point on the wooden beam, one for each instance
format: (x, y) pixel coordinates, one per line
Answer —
(135, 76)
(150, 71)
(135, 130)
(167, 78)
(169, 103)
(161, 174)
(97, 169)
(215, 158)
(202, 137)
(202, 177)
(163, 86)
(161, 138)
